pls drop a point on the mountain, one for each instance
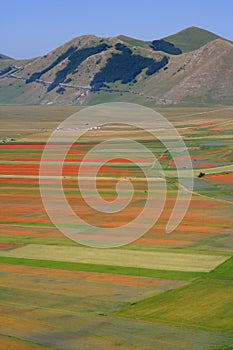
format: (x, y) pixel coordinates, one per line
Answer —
(4, 57)
(192, 38)
(193, 67)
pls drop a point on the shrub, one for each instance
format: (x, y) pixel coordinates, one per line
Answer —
(165, 46)
(60, 90)
(5, 70)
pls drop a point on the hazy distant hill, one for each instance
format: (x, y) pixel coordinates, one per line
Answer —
(4, 57)
(193, 66)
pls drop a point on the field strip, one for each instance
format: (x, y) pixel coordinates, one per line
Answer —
(196, 171)
(206, 112)
(169, 173)
(119, 257)
(81, 177)
(57, 163)
(221, 123)
(210, 170)
(206, 196)
(209, 137)
(87, 276)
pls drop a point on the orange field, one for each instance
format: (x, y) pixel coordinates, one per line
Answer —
(222, 178)
(23, 214)
(87, 276)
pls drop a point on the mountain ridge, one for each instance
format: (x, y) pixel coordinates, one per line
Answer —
(5, 57)
(192, 38)
(88, 68)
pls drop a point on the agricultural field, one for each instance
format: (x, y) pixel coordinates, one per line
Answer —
(157, 292)
(201, 304)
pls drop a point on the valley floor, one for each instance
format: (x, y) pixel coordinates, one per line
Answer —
(160, 292)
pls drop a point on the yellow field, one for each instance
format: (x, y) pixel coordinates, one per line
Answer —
(119, 257)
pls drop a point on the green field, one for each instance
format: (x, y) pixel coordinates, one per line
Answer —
(204, 304)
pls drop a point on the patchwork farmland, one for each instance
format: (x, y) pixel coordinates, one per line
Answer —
(157, 292)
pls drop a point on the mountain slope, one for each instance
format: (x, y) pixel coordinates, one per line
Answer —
(69, 73)
(192, 38)
(4, 57)
(131, 42)
(88, 70)
(187, 40)
(202, 76)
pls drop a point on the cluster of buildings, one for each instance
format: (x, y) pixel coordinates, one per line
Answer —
(8, 139)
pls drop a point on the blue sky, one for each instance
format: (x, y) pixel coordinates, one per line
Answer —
(31, 28)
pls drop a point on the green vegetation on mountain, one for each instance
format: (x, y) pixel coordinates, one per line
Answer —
(5, 70)
(37, 75)
(75, 59)
(165, 46)
(60, 90)
(134, 42)
(191, 38)
(125, 67)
